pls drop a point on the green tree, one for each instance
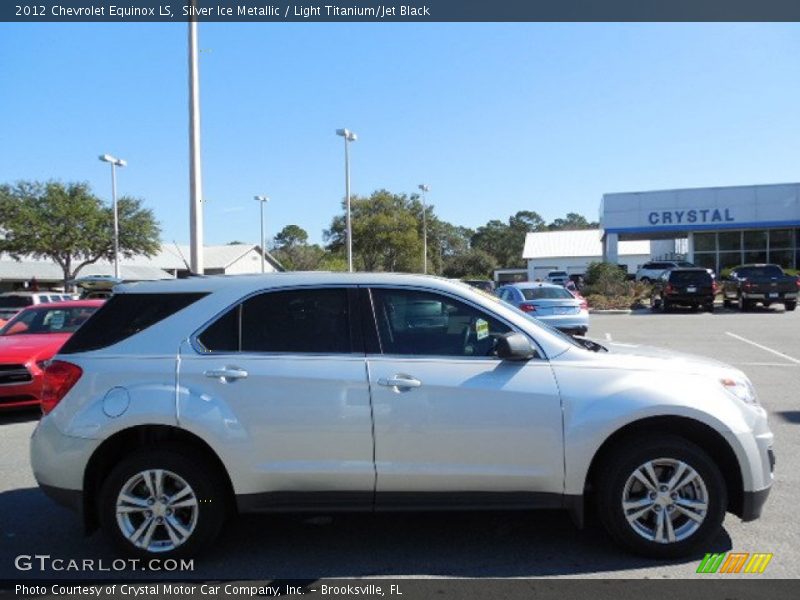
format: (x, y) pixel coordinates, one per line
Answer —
(385, 233)
(291, 236)
(505, 241)
(474, 263)
(69, 225)
(572, 221)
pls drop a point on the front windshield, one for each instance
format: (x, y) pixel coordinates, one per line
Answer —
(47, 320)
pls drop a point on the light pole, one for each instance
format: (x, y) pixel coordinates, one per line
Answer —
(195, 171)
(424, 189)
(115, 162)
(348, 136)
(262, 200)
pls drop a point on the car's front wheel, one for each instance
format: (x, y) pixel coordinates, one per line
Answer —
(661, 496)
(162, 502)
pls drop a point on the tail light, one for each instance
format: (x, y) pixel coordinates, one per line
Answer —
(747, 286)
(668, 289)
(714, 287)
(527, 308)
(59, 377)
(584, 304)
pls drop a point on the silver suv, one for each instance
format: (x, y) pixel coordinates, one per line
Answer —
(181, 403)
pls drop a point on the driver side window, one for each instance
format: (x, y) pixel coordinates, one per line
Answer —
(420, 323)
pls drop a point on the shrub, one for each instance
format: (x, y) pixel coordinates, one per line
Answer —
(607, 287)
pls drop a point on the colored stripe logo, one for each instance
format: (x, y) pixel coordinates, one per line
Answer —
(734, 562)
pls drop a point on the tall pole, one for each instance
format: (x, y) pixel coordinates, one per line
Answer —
(347, 193)
(114, 162)
(195, 175)
(425, 188)
(116, 218)
(348, 136)
(262, 200)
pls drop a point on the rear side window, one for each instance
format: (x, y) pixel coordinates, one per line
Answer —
(125, 315)
(295, 321)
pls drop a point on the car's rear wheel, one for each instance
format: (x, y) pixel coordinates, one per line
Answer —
(666, 305)
(661, 496)
(162, 503)
(790, 306)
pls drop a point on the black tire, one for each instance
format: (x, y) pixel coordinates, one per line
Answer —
(727, 303)
(626, 458)
(744, 305)
(790, 306)
(709, 307)
(666, 306)
(695, 307)
(209, 489)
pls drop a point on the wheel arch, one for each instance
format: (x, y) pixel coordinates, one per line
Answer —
(126, 441)
(697, 432)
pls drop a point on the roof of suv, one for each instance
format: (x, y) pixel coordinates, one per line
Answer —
(214, 283)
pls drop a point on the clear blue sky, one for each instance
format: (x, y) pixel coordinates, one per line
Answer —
(496, 118)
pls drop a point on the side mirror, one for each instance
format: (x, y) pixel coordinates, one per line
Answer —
(514, 346)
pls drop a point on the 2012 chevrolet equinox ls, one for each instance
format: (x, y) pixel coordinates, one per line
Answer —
(181, 402)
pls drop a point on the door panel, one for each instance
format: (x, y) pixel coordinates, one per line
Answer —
(280, 380)
(471, 425)
(450, 416)
(294, 423)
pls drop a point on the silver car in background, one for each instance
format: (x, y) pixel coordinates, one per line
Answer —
(550, 303)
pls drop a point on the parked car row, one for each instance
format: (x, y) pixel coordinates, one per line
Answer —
(746, 286)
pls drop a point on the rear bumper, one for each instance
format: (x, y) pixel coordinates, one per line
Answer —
(690, 298)
(71, 499)
(781, 296)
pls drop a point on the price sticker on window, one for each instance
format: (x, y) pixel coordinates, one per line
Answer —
(482, 329)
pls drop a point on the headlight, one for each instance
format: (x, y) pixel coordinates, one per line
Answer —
(741, 388)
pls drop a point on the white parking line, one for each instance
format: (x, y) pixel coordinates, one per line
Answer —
(762, 364)
(765, 348)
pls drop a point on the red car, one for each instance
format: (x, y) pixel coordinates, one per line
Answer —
(32, 337)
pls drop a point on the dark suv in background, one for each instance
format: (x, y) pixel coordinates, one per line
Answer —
(693, 287)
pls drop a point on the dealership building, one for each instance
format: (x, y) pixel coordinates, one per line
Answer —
(717, 228)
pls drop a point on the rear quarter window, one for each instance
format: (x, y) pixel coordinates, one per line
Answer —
(123, 316)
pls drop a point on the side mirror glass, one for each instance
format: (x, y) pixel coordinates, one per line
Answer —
(514, 346)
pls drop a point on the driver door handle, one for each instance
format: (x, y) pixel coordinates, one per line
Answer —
(400, 381)
(226, 373)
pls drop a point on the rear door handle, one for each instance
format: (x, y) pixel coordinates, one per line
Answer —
(400, 381)
(226, 373)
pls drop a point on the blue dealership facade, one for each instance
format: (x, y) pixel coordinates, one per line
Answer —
(723, 226)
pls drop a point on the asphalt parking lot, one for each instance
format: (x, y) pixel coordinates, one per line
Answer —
(765, 344)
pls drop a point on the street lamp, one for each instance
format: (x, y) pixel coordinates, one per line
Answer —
(115, 162)
(424, 189)
(263, 200)
(348, 136)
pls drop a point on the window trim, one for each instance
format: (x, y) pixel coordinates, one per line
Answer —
(356, 341)
(540, 355)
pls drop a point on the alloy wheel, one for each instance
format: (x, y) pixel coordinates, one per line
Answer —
(665, 500)
(157, 510)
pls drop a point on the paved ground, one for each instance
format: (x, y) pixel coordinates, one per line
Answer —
(765, 344)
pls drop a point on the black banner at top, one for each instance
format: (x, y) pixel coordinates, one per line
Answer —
(390, 11)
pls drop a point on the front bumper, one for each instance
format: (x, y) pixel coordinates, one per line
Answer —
(20, 395)
(753, 504)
